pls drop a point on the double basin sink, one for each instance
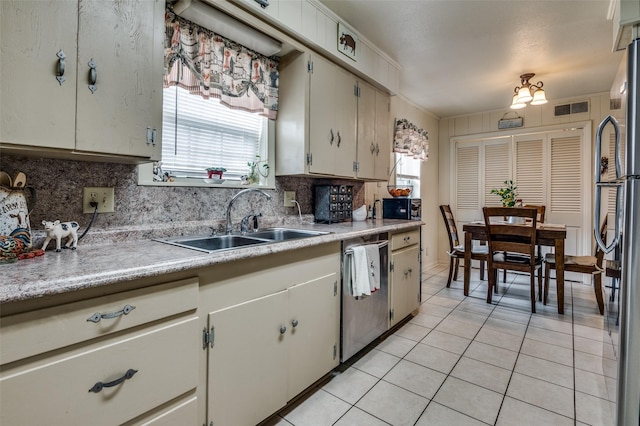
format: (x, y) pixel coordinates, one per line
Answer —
(216, 243)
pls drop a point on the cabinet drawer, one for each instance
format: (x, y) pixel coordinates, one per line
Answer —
(405, 239)
(42, 330)
(185, 413)
(56, 391)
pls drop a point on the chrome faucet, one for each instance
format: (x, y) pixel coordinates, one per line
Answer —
(244, 224)
(234, 198)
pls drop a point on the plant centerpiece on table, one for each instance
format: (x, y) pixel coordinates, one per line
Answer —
(217, 171)
(257, 168)
(508, 195)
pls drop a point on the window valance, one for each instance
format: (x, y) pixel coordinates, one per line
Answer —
(410, 140)
(209, 65)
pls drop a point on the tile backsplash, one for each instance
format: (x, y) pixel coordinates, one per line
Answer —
(152, 211)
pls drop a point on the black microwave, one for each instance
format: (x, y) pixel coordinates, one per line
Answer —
(401, 208)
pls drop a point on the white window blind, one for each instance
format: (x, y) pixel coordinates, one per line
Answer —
(529, 171)
(467, 177)
(497, 169)
(566, 175)
(200, 133)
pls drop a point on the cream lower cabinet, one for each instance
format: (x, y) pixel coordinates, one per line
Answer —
(266, 350)
(405, 275)
(82, 77)
(118, 359)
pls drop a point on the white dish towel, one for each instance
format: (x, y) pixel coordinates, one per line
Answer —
(363, 270)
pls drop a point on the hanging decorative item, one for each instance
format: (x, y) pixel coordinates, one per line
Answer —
(410, 140)
(347, 41)
(510, 123)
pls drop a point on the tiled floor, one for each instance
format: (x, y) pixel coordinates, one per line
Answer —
(462, 361)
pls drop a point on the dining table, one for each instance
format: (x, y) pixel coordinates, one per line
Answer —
(547, 234)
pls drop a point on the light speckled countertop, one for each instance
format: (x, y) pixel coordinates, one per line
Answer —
(103, 264)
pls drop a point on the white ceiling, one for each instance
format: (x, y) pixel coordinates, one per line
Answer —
(466, 56)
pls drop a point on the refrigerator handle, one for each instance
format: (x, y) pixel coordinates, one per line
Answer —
(600, 184)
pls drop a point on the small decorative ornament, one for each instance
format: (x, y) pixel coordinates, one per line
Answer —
(604, 165)
(347, 41)
(58, 231)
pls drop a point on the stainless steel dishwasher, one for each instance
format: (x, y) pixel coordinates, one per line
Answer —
(364, 319)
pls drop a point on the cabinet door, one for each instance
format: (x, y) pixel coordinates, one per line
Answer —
(346, 109)
(383, 136)
(405, 282)
(248, 361)
(322, 126)
(314, 321)
(35, 109)
(121, 39)
(366, 131)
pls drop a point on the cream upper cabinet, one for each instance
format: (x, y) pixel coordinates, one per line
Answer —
(373, 133)
(405, 274)
(110, 54)
(324, 127)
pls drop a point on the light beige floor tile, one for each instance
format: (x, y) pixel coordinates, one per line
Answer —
(276, 421)
(514, 412)
(549, 352)
(434, 358)
(493, 355)
(482, 374)
(396, 345)
(446, 341)
(542, 394)
(551, 337)
(412, 332)
(592, 384)
(593, 347)
(593, 411)
(545, 370)
(551, 324)
(467, 317)
(433, 309)
(462, 329)
(589, 332)
(505, 326)
(511, 315)
(472, 400)
(445, 302)
(439, 415)
(376, 363)
(588, 362)
(452, 293)
(320, 409)
(350, 385)
(357, 417)
(499, 339)
(426, 320)
(415, 378)
(478, 306)
(392, 404)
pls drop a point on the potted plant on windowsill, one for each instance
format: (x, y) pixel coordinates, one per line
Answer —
(215, 171)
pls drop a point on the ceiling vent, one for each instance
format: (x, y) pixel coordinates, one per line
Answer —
(575, 108)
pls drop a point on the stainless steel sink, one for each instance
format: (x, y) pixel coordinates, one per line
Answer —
(218, 243)
(215, 243)
(283, 234)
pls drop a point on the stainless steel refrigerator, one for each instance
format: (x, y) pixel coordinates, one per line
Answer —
(623, 316)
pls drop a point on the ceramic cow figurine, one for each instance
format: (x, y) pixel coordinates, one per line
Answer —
(58, 231)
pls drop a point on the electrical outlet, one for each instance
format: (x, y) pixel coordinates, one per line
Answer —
(103, 196)
(289, 196)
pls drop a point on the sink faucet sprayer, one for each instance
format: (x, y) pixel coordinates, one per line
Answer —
(234, 198)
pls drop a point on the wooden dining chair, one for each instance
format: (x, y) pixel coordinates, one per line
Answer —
(541, 211)
(456, 250)
(512, 246)
(591, 265)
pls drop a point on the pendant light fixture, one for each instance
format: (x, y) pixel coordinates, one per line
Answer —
(528, 92)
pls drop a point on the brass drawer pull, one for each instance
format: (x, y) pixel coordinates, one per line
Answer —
(99, 385)
(98, 316)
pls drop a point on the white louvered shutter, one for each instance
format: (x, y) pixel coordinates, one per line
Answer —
(467, 181)
(529, 172)
(566, 174)
(497, 169)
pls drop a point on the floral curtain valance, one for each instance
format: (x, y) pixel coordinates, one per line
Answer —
(410, 140)
(209, 65)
